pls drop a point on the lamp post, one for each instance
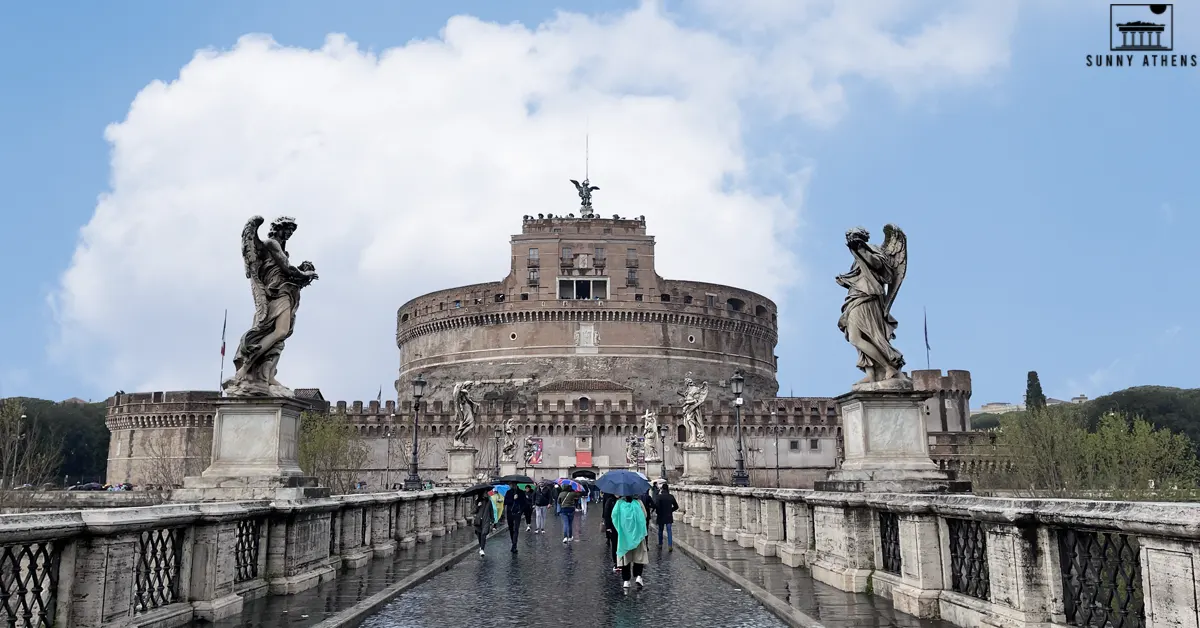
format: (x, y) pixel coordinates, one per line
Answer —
(740, 477)
(413, 481)
(662, 449)
(498, 433)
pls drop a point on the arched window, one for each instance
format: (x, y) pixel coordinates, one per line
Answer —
(760, 310)
(585, 403)
(735, 305)
(681, 434)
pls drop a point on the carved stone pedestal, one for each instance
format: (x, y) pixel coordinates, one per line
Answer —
(886, 447)
(697, 464)
(508, 467)
(460, 464)
(254, 454)
(654, 469)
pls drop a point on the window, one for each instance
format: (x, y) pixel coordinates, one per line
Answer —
(599, 253)
(712, 300)
(631, 258)
(524, 296)
(687, 298)
(665, 298)
(535, 277)
(457, 303)
(760, 311)
(814, 444)
(582, 289)
(735, 305)
(404, 317)
(793, 445)
(499, 298)
(585, 403)
(637, 297)
(568, 256)
(631, 279)
(534, 261)
(681, 433)
(441, 306)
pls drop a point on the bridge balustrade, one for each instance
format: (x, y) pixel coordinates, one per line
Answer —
(166, 565)
(975, 561)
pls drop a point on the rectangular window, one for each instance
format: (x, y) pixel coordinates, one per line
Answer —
(794, 445)
(814, 444)
(599, 252)
(535, 276)
(599, 289)
(566, 289)
(534, 261)
(631, 258)
(712, 300)
(582, 289)
(631, 278)
(458, 304)
(568, 255)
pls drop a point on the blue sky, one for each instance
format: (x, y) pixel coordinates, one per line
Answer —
(1050, 207)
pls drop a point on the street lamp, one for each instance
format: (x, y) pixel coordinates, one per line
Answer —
(740, 477)
(662, 448)
(498, 433)
(413, 481)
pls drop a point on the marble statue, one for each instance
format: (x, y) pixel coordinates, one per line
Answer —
(585, 190)
(866, 319)
(509, 453)
(691, 398)
(631, 449)
(465, 409)
(275, 285)
(650, 434)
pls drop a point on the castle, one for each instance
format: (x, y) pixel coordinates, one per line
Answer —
(578, 341)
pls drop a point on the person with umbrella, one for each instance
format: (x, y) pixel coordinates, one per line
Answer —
(516, 505)
(608, 502)
(568, 499)
(484, 517)
(632, 524)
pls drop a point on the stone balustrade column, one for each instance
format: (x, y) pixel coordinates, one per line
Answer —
(733, 514)
(461, 506)
(798, 524)
(689, 507)
(1025, 583)
(844, 548)
(215, 541)
(706, 506)
(406, 529)
(717, 519)
(437, 513)
(749, 528)
(355, 536)
(770, 522)
(450, 515)
(921, 560)
(382, 543)
(424, 531)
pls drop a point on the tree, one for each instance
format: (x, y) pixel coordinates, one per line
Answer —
(399, 452)
(29, 453)
(331, 450)
(1035, 399)
(173, 454)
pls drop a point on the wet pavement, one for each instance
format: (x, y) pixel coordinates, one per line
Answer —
(797, 588)
(310, 607)
(549, 583)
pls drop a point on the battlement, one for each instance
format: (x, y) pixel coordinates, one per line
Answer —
(176, 396)
(953, 381)
(544, 224)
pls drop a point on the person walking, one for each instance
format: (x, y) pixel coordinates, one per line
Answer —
(541, 501)
(567, 501)
(515, 507)
(484, 517)
(610, 531)
(664, 509)
(629, 517)
(528, 507)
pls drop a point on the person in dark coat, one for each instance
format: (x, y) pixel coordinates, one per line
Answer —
(528, 507)
(484, 517)
(664, 509)
(610, 531)
(541, 501)
(515, 507)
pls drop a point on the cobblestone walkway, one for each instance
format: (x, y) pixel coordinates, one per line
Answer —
(551, 584)
(796, 587)
(350, 587)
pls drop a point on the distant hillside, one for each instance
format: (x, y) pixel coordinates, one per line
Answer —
(1177, 409)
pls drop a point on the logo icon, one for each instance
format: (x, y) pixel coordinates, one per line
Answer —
(1141, 27)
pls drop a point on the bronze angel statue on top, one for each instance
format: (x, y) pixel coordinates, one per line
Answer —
(275, 285)
(866, 319)
(585, 190)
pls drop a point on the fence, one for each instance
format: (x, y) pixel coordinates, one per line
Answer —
(976, 561)
(167, 565)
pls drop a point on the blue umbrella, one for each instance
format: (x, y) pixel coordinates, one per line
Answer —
(623, 483)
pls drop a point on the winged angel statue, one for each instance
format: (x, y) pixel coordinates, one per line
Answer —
(691, 399)
(275, 285)
(585, 190)
(871, 287)
(465, 409)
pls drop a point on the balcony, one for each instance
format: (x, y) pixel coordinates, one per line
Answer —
(631, 283)
(599, 262)
(631, 263)
(566, 262)
(533, 262)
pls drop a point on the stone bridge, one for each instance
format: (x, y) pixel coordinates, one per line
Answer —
(751, 557)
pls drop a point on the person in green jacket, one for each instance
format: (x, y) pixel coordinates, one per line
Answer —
(567, 501)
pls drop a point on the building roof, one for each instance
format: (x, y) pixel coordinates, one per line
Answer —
(584, 385)
(310, 393)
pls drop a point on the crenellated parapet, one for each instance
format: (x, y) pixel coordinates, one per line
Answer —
(170, 409)
(949, 410)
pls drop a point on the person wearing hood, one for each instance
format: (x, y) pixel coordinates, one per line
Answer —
(610, 532)
(632, 525)
(516, 504)
(484, 517)
(664, 509)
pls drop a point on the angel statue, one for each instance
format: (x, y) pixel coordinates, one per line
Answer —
(464, 410)
(866, 318)
(691, 398)
(631, 450)
(510, 441)
(585, 190)
(650, 434)
(275, 285)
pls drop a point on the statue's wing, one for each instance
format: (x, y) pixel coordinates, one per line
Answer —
(594, 188)
(457, 389)
(895, 247)
(252, 255)
(702, 394)
(578, 185)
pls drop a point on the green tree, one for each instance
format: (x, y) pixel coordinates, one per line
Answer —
(331, 450)
(1046, 449)
(1035, 399)
(29, 452)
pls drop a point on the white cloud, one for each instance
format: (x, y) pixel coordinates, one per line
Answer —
(407, 170)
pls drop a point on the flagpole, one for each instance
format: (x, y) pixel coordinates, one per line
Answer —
(221, 381)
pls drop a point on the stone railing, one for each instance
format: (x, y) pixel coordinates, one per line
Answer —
(976, 561)
(167, 565)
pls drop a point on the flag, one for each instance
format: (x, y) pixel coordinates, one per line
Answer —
(223, 325)
(379, 397)
(927, 331)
